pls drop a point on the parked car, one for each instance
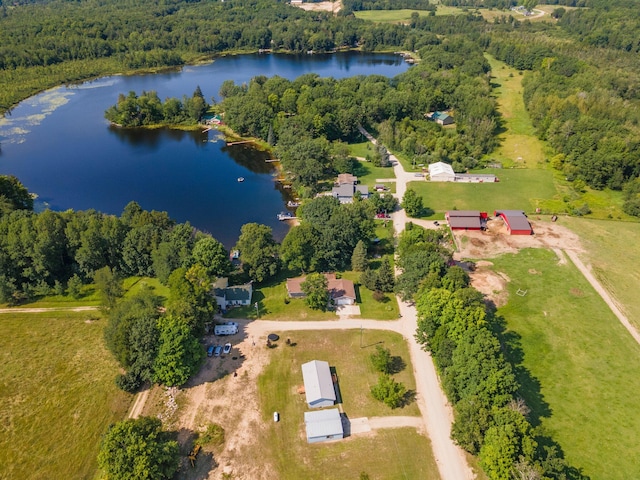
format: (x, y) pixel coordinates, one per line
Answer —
(217, 351)
(210, 351)
(276, 417)
(227, 348)
(418, 174)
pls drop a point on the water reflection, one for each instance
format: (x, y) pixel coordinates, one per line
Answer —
(152, 138)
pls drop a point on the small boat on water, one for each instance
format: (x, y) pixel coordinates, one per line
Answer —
(293, 204)
(241, 179)
(286, 216)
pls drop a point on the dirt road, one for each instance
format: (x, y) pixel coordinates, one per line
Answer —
(603, 293)
(49, 309)
(434, 406)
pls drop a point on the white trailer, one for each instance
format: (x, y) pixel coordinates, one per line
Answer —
(225, 329)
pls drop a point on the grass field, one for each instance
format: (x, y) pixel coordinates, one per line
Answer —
(517, 189)
(389, 16)
(611, 248)
(57, 393)
(388, 454)
(586, 363)
(90, 296)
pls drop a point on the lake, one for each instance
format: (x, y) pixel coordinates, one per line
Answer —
(61, 147)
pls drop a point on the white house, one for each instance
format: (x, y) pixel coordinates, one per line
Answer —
(323, 425)
(318, 384)
(441, 172)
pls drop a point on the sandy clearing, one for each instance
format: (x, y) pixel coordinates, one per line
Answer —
(334, 7)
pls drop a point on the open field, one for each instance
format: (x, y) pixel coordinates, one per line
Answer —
(90, 296)
(519, 144)
(610, 248)
(580, 367)
(389, 16)
(58, 395)
(518, 189)
(393, 453)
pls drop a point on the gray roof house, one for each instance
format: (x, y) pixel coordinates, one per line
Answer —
(318, 384)
(323, 425)
(236, 295)
(346, 192)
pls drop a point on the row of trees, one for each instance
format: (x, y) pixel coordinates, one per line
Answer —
(490, 419)
(147, 109)
(41, 253)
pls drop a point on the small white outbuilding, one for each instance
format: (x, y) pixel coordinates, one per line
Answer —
(441, 172)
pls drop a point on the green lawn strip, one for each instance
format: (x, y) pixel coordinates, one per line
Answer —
(58, 395)
(518, 189)
(586, 364)
(389, 16)
(611, 248)
(397, 453)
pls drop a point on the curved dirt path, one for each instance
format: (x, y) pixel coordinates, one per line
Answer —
(586, 272)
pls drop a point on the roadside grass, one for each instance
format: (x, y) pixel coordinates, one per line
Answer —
(58, 395)
(611, 249)
(580, 369)
(394, 453)
(518, 189)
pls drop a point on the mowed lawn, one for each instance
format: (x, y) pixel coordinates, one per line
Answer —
(586, 363)
(388, 454)
(518, 189)
(389, 16)
(57, 393)
(611, 248)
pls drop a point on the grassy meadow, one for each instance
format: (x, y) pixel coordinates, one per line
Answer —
(389, 16)
(58, 395)
(518, 189)
(393, 453)
(580, 367)
(610, 249)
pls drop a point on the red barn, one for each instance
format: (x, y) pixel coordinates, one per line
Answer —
(465, 219)
(516, 221)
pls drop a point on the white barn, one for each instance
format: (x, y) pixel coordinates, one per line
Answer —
(323, 425)
(318, 384)
(441, 172)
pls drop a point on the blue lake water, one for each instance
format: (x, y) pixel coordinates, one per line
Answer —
(61, 147)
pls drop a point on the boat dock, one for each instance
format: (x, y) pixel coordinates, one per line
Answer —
(240, 142)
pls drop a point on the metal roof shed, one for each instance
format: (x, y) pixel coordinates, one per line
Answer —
(318, 384)
(516, 221)
(323, 425)
(464, 219)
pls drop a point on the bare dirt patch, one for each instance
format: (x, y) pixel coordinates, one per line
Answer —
(492, 285)
(225, 392)
(334, 7)
(496, 240)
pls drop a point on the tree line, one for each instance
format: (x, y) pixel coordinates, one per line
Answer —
(455, 325)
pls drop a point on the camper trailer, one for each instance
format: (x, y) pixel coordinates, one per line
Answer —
(225, 329)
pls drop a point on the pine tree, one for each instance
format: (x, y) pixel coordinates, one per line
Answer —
(386, 279)
(359, 262)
